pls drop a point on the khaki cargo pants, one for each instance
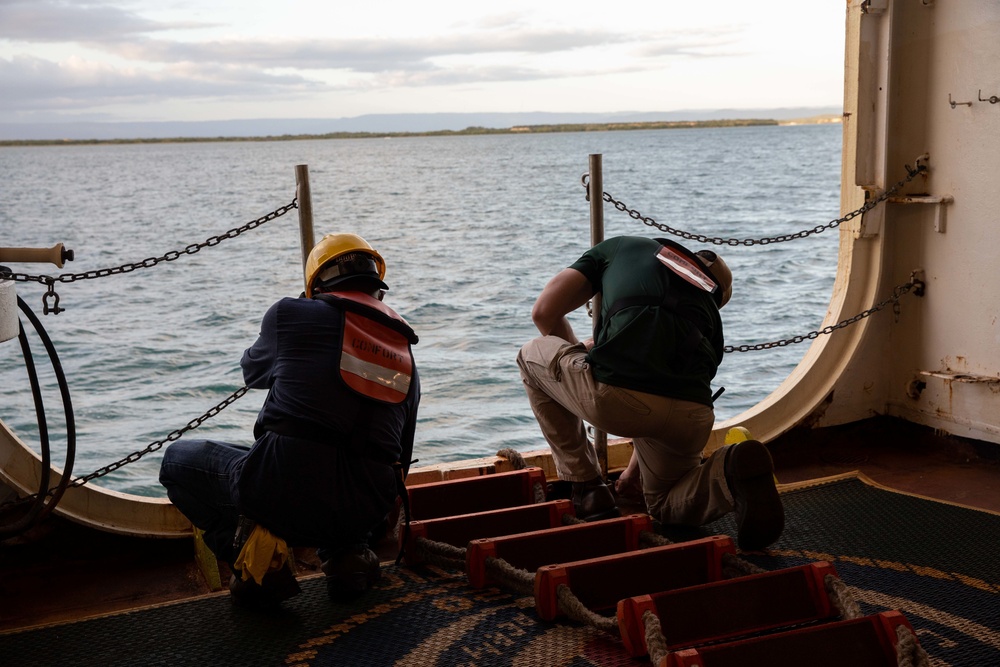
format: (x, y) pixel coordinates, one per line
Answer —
(669, 435)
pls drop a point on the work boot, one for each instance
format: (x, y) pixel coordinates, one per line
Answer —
(593, 500)
(351, 573)
(760, 518)
(274, 588)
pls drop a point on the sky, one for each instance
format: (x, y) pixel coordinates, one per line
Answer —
(189, 60)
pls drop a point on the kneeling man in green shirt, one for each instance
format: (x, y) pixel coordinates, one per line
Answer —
(646, 375)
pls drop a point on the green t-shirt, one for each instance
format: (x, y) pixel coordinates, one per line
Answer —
(652, 348)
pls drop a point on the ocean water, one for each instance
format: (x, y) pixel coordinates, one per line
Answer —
(471, 228)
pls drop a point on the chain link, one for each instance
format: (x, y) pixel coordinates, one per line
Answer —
(916, 285)
(233, 233)
(911, 173)
(151, 447)
(147, 263)
(869, 205)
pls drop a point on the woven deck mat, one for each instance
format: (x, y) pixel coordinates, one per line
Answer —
(934, 562)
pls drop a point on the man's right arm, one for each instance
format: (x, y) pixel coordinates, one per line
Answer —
(258, 360)
(568, 290)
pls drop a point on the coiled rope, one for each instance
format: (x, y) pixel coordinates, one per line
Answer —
(515, 458)
(517, 462)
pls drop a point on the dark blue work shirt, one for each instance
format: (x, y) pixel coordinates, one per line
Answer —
(320, 472)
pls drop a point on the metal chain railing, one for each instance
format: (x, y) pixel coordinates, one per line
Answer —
(149, 262)
(911, 173)
(151, 447)
(233, 233)
(127, 268)
(916, 285)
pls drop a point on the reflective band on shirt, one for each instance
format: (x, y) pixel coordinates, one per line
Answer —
(385, 377)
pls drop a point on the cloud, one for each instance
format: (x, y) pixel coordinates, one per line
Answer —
(69, 21)
(33, 83)
(361, 55)
(145, 66)
(717, 43)
(126, 34)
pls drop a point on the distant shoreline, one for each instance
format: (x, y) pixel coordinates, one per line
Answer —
(518, 129)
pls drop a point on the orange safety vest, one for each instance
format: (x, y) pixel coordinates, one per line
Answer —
(375, 356)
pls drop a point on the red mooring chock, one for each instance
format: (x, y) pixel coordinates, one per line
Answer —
(599, 583)
(725, 609)
(861, 642)
(529, 551)
(459, 530)
(476, 494)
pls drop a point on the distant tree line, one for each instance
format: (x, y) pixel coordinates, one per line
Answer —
(520, 129)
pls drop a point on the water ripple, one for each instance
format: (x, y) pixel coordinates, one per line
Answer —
(471, 228)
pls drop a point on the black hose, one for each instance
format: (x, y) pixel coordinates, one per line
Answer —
(29, 518)
(67, 402)
(40, 509)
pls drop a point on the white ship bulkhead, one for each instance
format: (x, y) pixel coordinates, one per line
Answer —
(920, 80)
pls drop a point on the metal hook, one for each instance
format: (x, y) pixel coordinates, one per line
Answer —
(54, 309)
(917, 278)
(919, 165)
(992, 99)
(955, 104)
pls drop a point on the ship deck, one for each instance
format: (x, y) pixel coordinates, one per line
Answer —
(60, 572)
(896, 454)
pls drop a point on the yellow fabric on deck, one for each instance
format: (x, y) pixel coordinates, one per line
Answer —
(262, 553)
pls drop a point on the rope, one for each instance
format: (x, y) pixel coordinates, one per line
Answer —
(521, 581)
(539, 490)
(909, 652)
(440, 553)
(397, 527)
(733, 566)
(650, 539)
(512, 577)
(576, 610)
(842, 598)
(515, 458)
(656, 643)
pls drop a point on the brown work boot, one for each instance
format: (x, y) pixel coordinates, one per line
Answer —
(351, 573)
(593, 500)
(760, 517)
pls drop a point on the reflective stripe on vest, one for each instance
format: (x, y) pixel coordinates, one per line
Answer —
(375, 360)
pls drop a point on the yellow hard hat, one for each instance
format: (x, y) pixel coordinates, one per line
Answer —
(720, 271)
(338, 257)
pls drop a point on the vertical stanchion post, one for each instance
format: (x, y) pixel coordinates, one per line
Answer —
(304, 199)
(596, 196)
